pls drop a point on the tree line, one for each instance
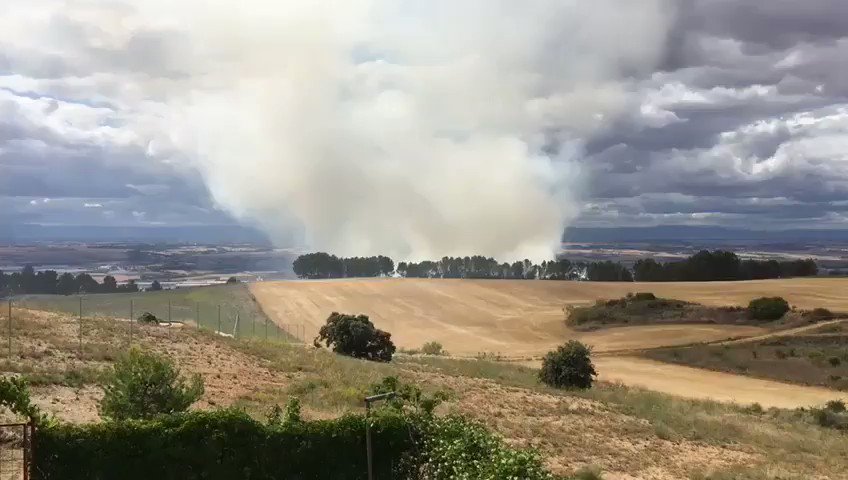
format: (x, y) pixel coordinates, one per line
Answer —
(720, 265)
(50, 282)
(702, 266)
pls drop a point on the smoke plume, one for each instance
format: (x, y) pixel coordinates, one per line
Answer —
(407, 128)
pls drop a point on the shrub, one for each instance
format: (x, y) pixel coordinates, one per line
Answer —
(643, 296)
(143, 385)
(232, 280)
(455, 448)
(409, 397)
(767, 308)
(569, 366)
(221, 445)
(834, 361)
(357, 337)
(837, 406)
(820, 314)
(278, 416)
(149, 318)
(15, 395)
(432, 348)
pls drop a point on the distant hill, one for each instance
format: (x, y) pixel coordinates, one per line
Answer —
(207, 234)
(687, 233)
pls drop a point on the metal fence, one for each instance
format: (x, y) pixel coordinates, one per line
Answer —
(16, 441)
(223, 319)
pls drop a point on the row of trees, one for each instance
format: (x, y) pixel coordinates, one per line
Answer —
(720, 265)
(50, 282)
(324, 265)
(702, 266)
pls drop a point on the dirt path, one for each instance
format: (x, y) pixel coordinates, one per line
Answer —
(787, 332)
(705, 384)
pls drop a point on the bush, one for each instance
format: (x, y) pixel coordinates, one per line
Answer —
(820, 314)
(569, 366)
(834, 361)
(232, 280)
(457, 449)
(149, 318)
(767, 308)
(357, 337)
(642, 296)
(432, 348)
(15, 395)
(143, 385)
(836, 406)
(221, 445)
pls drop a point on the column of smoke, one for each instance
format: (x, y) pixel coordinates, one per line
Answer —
(413, 129)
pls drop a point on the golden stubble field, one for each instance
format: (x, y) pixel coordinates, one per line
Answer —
(523, 319)
(520, 317)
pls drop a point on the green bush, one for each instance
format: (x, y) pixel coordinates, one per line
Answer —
(569, 366)
(220, 445)
(767, 308)
(356, 336)
(15, 396)
(820, 314)
(836, 406)
(148, 318)
(432, 348)
(457, 449)
(143, 384)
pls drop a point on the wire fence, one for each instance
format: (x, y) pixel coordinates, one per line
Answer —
(231, 320)
(15, 451)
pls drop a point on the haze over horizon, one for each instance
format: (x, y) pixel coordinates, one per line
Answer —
(398, 128)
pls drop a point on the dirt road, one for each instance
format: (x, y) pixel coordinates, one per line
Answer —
(705, 384)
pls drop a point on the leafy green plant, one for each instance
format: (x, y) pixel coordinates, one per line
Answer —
(454, 448)
(15, 395)
(569, 366)
(143, 384)
(408, 397)
(767, 308)
(356, 336)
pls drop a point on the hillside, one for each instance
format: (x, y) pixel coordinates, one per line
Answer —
(625, 432)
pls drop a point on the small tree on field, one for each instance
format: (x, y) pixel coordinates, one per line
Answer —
(232, 280)
(357, 337)
(767, 308)
(143, 385)
(569, 366)
(433, 348)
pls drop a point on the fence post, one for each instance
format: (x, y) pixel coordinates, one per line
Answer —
(80, 327)
(219, 319)
(169, 318)
(10, 329)
(252, 325)
(266, 329)
(197, 314)
(132, 308)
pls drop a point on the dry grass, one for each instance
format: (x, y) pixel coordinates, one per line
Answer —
(625, 432)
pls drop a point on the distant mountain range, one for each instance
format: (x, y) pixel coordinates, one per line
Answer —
(207, 234)
(687, 233)
(211, 234)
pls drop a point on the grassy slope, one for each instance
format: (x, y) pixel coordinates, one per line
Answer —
(622, 430)
(816, 357)
(187, 305)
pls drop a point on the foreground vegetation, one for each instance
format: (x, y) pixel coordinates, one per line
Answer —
(611, 428)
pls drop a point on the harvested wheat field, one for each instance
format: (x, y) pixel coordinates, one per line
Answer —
(521, 317)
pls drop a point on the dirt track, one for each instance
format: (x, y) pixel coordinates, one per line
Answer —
(697, 383)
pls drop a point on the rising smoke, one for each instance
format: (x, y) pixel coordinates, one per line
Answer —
(414, 129)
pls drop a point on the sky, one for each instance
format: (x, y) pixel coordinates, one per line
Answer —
(692, 112)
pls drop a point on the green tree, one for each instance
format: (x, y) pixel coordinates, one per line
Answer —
(67, 284)
(232, 280)
(569, 366)
(155, 286)
(356, 336)
(144, 384)
(767, 308)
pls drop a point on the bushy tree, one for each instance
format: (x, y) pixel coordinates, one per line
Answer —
(232, 280)
(142, 385)
(569, 366)
(432, 348)
(356, 336)
(155, 286)
(767, 308)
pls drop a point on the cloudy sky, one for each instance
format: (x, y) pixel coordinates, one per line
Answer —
(737, 115)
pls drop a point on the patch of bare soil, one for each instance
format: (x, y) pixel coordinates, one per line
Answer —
(573, 432)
